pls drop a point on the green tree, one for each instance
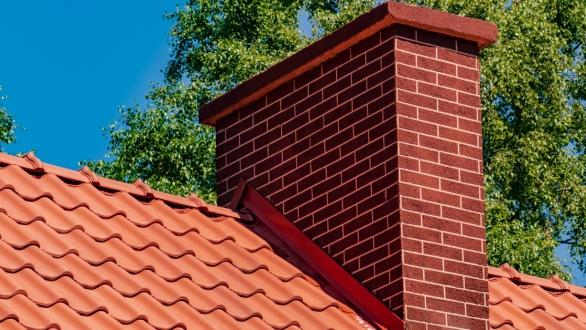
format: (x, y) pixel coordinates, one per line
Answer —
(533, 91)
(7, 124)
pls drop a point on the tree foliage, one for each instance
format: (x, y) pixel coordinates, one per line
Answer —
(533, 91)
(7, 124)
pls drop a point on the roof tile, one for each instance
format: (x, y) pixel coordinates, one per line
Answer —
(520, 301)
(81, 251)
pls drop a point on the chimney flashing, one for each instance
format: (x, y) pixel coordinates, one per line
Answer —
(480, 32)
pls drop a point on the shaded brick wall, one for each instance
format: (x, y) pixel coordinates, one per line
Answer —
(321, 148)
(382, 170)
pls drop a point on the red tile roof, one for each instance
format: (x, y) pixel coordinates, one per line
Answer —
(79, 251)
(520, 301)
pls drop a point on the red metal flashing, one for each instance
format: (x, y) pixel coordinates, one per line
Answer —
(323, 264)
(481, 32)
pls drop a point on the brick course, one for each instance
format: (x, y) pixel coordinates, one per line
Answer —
(376, 155)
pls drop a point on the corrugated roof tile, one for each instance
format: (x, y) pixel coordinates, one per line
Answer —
(520, 301)
(80, 251)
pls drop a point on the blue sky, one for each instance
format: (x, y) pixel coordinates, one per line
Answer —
(66, 67)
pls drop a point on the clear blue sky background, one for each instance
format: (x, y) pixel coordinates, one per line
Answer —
(66, 67)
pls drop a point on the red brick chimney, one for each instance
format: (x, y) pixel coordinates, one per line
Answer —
(370, 142)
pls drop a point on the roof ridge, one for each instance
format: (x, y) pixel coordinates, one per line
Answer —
(553, 283)
(31, 163)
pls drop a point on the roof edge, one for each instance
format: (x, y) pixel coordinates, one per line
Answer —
(323, 264)
(552, 283)
(482, 32)
(31, 163)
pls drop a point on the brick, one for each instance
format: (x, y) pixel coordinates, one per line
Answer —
(416, 73)
(420, 206)
(419, 179)
(476, 284)
(477, 311)
(311, 180)
(354, 143)
(478, 258)
(424, 288)
(325, 159)
(310, 154)
(466, 322)
(411, 245)
(461, 215)
(341, 244)
(444, 278)
(474, 231)
(297, 200)
(335, 235)
(437, 91)
(435, 65)
(341, 191)
(365, 71)
(323, 81)
(425, 315)
(421, 260)
(312, 206)
(469, 99)
(457, 84)
(470, 74)
(406, 58)
(266, 138)
(254, 157)
(459, 162)
(459, 136)
(367, 123)
(443, 251)
(296, 174)
(351, 92)
(456, 58)
(442, 224)
(384, 75)
(417, 48)
(438, 144)
(460, 188)
(326, 185)
(384, 48)
(457, 109)
(472, 297)
(406, 84)
(438, 118)
(417, 99)
(439, 170)
(421, 233)
(418, 152)
(336, 87)
(418, 126)
(371, 256)
(440, 197)
(462, 242)
(445, 305)
(469, 151)
(356, 196)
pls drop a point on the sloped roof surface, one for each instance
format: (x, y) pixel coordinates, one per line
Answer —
(520, 301)
(82, 252)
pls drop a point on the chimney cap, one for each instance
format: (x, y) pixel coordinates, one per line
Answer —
(481, 32)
